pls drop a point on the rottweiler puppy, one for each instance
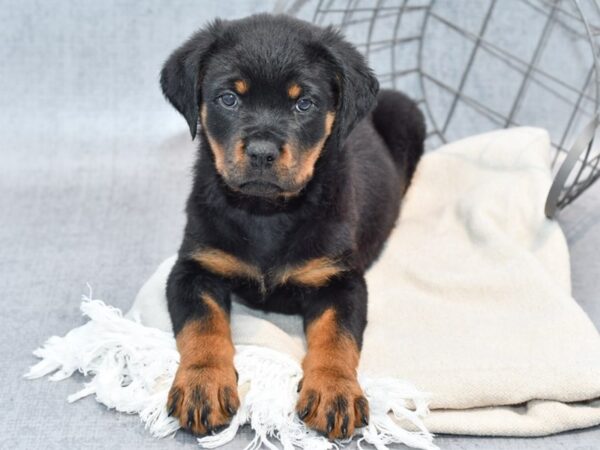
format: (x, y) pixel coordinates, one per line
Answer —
(296, 188)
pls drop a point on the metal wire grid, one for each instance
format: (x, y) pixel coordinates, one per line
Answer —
(401, 39)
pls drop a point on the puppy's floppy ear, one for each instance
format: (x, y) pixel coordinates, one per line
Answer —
(355, 82)
(180, 78)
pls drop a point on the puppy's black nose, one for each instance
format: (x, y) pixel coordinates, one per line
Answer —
(262, 153)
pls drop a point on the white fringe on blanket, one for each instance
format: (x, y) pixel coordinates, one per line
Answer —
(131, 368)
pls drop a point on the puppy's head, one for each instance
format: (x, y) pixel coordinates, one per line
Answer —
(268, 91)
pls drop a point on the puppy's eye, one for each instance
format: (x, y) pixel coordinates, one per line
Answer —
(304, 104)
(228, 100)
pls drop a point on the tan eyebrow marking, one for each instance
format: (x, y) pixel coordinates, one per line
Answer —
(241, 86)
(294, 91)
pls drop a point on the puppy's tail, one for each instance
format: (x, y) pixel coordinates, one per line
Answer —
(402, 126)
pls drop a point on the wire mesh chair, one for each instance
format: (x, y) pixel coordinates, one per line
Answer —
(476, 65)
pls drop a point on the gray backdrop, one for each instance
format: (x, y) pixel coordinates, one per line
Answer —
(94, 172)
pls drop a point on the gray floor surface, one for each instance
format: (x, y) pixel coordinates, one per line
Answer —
(94, 172)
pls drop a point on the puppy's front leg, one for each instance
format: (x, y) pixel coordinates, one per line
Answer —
(331, 400)
(204, 393)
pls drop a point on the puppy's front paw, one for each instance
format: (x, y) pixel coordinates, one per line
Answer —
(332, 404)
(204, 398)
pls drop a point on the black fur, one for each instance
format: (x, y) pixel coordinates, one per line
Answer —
(344, 211)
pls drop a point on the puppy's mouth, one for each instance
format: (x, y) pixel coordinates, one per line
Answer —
(260, 189)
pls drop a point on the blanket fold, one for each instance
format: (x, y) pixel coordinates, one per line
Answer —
(470, 302)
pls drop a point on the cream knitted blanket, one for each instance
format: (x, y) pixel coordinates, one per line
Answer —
(470, 302)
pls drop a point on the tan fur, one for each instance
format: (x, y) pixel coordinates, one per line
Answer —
(291, 159)
(217, 150)
(206, 341)
(241, 86)
(310, 156)
(330, 347)
(286, 159)
(206, 375)
(225, 264)
(314, 273)
(329, 120)
(239, 154)
(294, 91)
(330, 375)
(284, 165)
(302, 162)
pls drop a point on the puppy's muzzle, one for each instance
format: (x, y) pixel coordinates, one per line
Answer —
(262, 154)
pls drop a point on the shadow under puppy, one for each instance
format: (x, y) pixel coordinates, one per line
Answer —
(296, 188)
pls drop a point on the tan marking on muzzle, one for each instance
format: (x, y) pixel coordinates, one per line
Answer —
(217, 149)
(286, 159)
(310, 156)
(239, 154)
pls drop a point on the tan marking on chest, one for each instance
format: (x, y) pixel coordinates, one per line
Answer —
(226, 265)
(313, 273)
